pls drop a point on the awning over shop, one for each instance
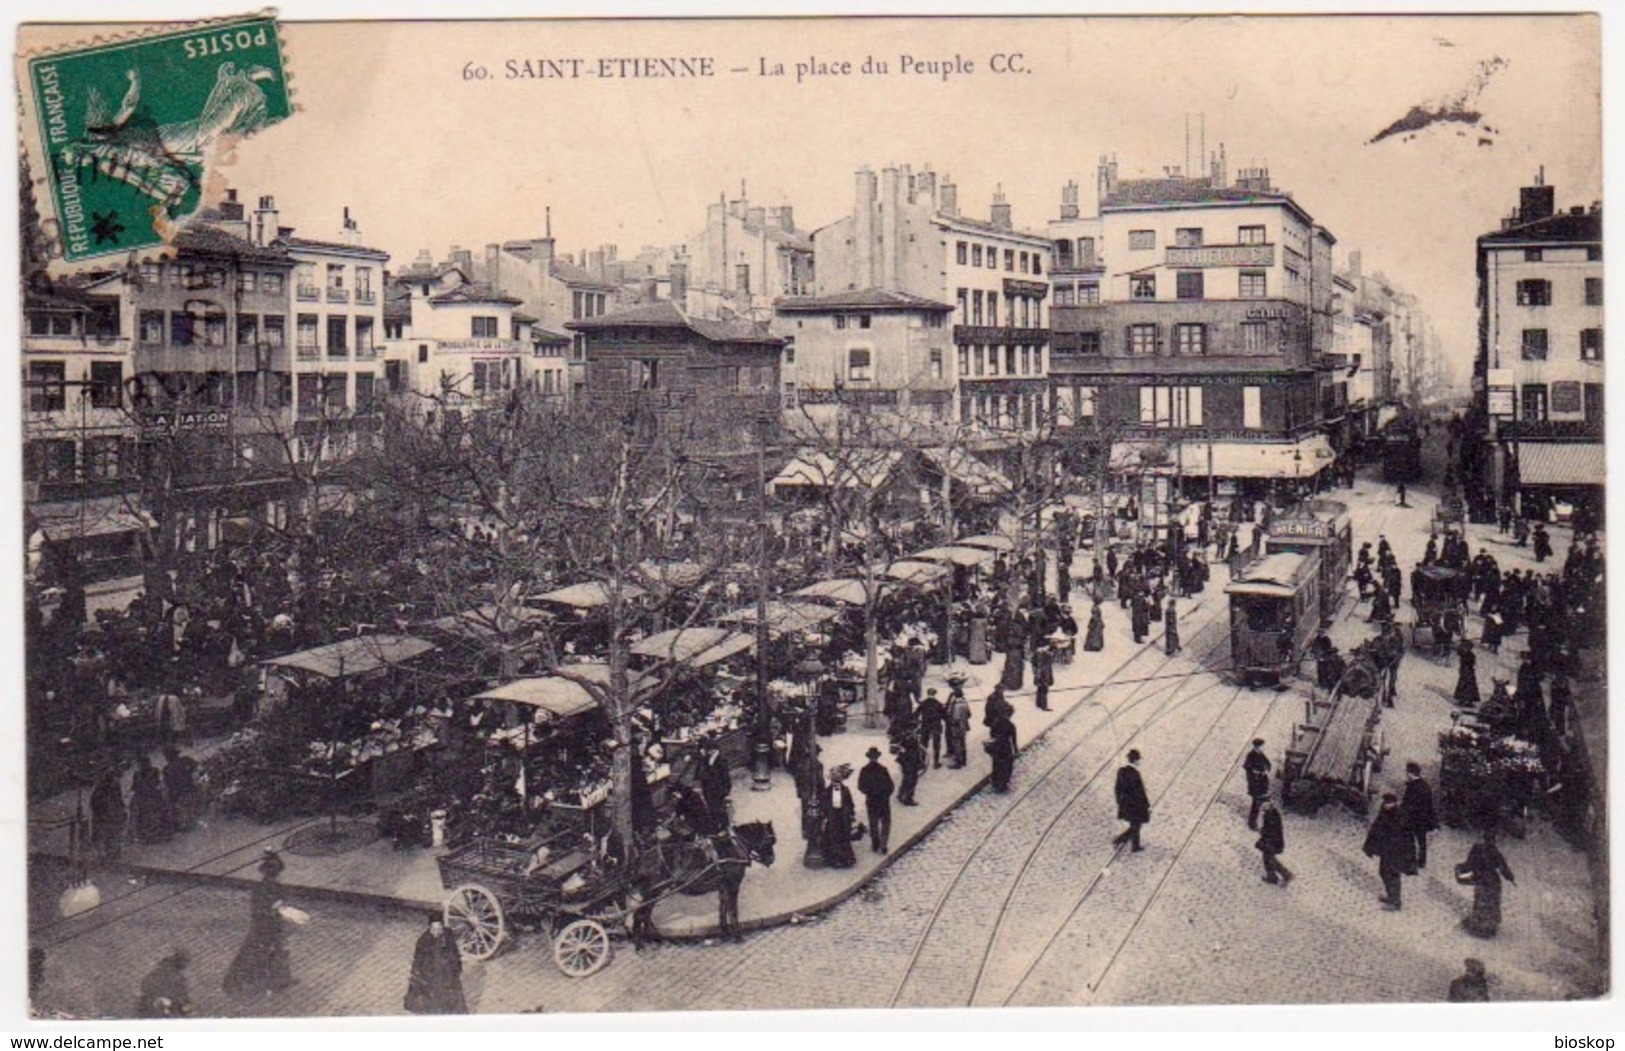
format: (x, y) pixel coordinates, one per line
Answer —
(990, 541)
(1233, 459)
(1561, 463)
(845, 590)
(557, 697)
(974, 474)
(590, 595)
(105, 516)
(783, 615)
(862, 469)
(955, 555)
(697, 647)
(355, 656)
(916, 573)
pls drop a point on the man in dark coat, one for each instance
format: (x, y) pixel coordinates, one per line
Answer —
(108, 815)
(1416, 814)
(716, 784)
(1392, 846)
(875, 782)
(911, 761)
(1170, 630)
(1001, 748)
(930, 718)
(1271, 844)
(1043, 674)
(1257, 768)
(1140, 617)
(1133, 805)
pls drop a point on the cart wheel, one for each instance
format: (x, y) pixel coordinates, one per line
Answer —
(474, 917)
(582, 948)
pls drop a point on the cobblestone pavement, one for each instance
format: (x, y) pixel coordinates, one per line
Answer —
(1016, 898)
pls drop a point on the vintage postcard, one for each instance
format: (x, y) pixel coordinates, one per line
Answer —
(596, 516)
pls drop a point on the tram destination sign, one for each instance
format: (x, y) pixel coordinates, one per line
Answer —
(1305, 528)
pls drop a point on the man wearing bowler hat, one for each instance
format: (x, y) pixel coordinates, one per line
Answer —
(875, 782)
(1133, 805)
(1257, 767)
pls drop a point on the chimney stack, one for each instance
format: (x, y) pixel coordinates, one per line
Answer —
(1354, 264)
(925, 186)
(1001, 216)
(1538, 201)
(948, 196)
(863, 233)
(679, 280)
(1218, 175)
(756, 216)
(352, 229)
(231, 209)
(266, 219)
(1106, 177)
(493, 265)
(1069, 200)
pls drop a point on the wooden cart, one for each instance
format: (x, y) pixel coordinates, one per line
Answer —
(1339, 745)
(534, 881)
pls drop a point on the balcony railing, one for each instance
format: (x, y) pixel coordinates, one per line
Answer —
(308, 352)
(309, 293)
(338, 295)
(366, 297)
(366, 353)
(338, 352)
(991, 334)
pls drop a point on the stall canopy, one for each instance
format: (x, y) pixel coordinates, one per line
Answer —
(990, 541)
(916, 573)
(484, 621)
(354, 656)
(696, 647)
(70, 520)
(557, 697)
(976, 476)
(590, 595)
(844, 590)
(955, 555)
(783, 615)
(1561, 463)
(864, 469)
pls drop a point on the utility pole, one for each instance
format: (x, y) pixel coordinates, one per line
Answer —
(762, 746)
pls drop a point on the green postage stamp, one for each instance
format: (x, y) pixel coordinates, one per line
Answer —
(122, 132)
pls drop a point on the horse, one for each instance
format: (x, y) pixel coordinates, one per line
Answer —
(717, 863)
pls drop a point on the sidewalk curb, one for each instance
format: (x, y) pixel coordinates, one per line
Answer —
(709, 932)
(787, 918)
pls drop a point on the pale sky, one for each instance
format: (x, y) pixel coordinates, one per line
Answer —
(389, 125)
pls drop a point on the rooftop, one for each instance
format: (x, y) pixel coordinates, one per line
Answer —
(211, 240)
(335, 246)
(666, 314)
(571, 274)
(1564, 226)
(863, 299)
(475, 292)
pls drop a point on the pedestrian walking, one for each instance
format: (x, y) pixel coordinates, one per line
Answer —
(261, 965)
(1543, 543)
(435, 984)
(839, 829)
(1094, 639)
(1170, 630)
(108, 816)
(1271, 844)
(930, 719)
(1466, 694)
(1392, 846)
(1401, 488)
(1382, 611)
(1473, 986)
(1257, 767)
(1416, 814)
(1043, 674)
(1133, 805)
(911, 762)
(164, 990)
(1484, 870)
(876, 785)
(957, 727)
(1139, 617)
(149, 816)
(1001, 749)
(996, 706)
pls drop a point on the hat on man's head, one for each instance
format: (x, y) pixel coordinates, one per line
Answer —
(1134, 755)
(1258, 742)
(271, 863)
(1413, 768)
(873, 753)
(1389, 797)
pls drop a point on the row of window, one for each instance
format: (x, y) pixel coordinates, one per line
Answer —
(1075, 254)
(590, 304)
(198, 275)
(1536, 255)
(1537, 292)
(1164, 407)
(968, 254)
(1188, 339)
(305, 276)
(1019, 311)
(1536, 343)
(1192, 237)
(1081, 294)
(980, 361)
(1192, 284)
(1538, 400)
(1002, 410)
(48, 385)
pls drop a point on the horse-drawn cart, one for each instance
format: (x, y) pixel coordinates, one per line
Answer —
(1439, 595)
(544, 880)
(1340, 743)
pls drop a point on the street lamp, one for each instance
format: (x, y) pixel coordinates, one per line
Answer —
(1297, 460)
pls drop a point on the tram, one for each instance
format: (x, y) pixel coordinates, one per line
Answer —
(1401, 453)
(1274, 615)
(1323, 528)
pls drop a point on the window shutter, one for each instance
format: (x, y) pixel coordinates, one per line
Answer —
(1148, 406)
(1193, 406)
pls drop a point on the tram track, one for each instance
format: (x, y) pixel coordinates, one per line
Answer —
(917, 971)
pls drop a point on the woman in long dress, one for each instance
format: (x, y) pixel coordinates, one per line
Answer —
(1466, 695)
(1485, 868)
(435, 986)
(1094, 639)
(838, 821)
(261, 965)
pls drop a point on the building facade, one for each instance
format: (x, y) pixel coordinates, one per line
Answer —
(906, 234)
(1538, 375)
(1197, 326)
(456, 344)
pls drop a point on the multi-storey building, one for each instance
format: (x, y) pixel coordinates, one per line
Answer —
(906, 235)
(745, 258)
(1198, 318)
(1538, 377)
(1362, 345)
(462, 343)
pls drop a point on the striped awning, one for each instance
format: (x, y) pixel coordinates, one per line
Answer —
(1561, 463)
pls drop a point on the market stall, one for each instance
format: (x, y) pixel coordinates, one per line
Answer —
(1486, 774)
